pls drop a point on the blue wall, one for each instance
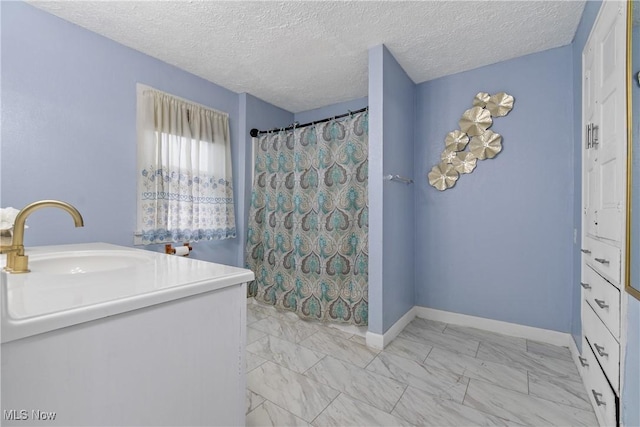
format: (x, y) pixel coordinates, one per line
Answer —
(376, 152)
(398, 199)
(582, 33)
(391, 214)
(499, 244)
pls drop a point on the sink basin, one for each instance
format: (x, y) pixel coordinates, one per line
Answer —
(83, 262)
(73, 284)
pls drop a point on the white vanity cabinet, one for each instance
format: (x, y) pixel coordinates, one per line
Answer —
(603, 198)
(169, 351)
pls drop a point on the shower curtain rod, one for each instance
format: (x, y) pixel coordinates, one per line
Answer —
(255, 132)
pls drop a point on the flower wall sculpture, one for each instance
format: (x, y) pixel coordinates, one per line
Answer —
(443, 176)
(473, 141)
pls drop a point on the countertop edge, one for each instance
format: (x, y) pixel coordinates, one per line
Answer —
(13, 329)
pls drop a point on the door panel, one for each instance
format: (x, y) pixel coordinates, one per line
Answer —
(604, 162)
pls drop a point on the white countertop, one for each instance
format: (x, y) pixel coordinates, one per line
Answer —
(38, 301)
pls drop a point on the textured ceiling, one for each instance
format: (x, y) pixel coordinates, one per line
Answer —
(302, 55)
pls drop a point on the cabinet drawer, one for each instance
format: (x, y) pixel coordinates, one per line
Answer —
(604, 346)
(604, 258)
(604, 298)
(597, 387)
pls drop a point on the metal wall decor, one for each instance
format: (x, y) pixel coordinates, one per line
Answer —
(487, 145)
(465, 162)
(456, 140)
(473, 141)
(443, 176)
(475, 121)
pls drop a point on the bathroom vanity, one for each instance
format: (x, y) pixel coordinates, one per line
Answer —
(98, 334)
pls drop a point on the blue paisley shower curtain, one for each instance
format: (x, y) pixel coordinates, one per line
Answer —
(307, 239)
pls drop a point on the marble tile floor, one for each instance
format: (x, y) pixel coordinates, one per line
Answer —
(302, 373)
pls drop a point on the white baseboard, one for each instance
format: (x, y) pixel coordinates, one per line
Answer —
(375, 340)
(380, 341)
(498, 326)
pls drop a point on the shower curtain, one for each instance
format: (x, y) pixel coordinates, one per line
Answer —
(307, 240)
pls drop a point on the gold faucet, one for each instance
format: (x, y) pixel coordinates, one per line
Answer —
(17, 261)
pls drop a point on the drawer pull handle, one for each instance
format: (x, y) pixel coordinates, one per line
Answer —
(601, 303)
(597, 397)
(600, 350)
(602, 260)
(585, 251)
(583, 361)
(585, 285)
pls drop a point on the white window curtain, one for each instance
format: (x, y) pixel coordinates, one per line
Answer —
(185, 190)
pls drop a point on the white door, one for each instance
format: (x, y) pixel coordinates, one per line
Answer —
(590, 181)
(605, 157)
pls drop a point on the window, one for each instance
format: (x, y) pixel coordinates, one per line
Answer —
(185, 190)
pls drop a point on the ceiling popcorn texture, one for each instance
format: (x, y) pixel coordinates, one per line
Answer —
(301, 55)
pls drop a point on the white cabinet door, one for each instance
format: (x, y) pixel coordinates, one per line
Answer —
(591, 183)
(606, 161)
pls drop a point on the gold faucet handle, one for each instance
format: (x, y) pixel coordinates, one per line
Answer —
(7, 249)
